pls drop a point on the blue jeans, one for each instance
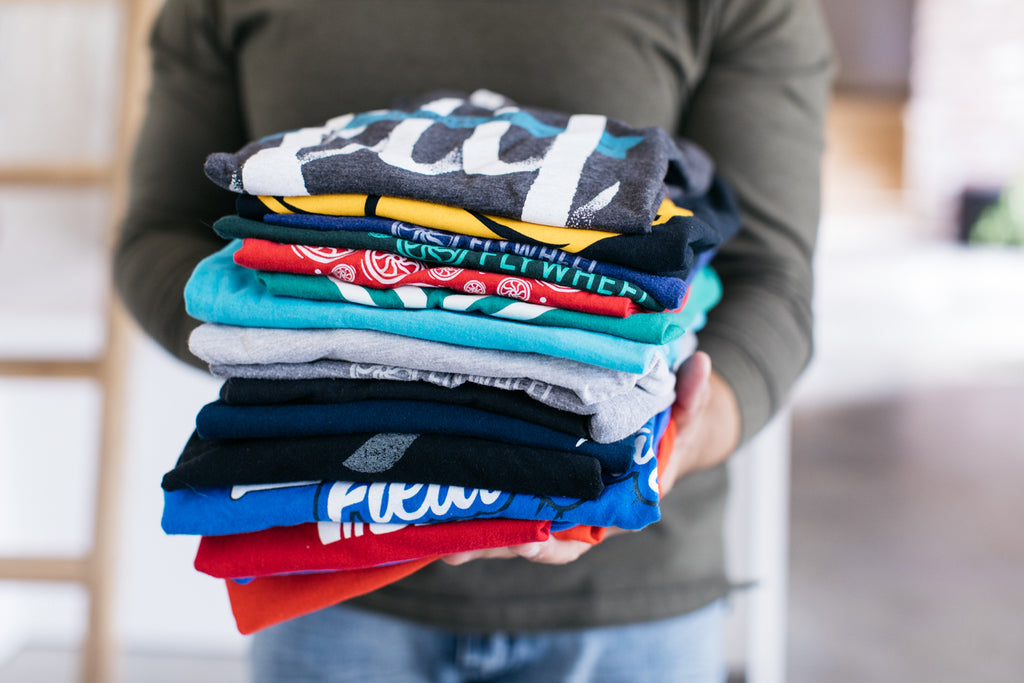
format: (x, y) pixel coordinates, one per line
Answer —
(341, 644)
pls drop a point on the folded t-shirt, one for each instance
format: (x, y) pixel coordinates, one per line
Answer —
(650, 328)
(668, 290)
(217, 420)
(680, 233)
(629, 501)
(240, 391)
(618, 403)
(219, 344)
(330, 546)
(269, 600)
(483, 151)
(386, 270)
(236, 227)
(221, 291)
(368, 458)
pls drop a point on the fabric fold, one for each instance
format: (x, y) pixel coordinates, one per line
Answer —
(387, 270)
(237, 228)
(328, 546)
(221, 291)
(649, 328)
(217, 420)
(388, 457)
(578, 170)
(629, 501)
(239, 391)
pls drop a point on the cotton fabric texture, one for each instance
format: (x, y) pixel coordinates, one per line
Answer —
(221, 291)
(630, 501)
(384, 270)
(221, 421)
(387, 456)
(235, 227)
(616, 404)
(677, 237)
(482, 151)
(668, 290)
(517, 404)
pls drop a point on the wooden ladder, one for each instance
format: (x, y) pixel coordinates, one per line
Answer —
(95, 569)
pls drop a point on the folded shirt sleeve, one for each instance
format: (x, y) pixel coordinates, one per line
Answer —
(192, 108)
(759, 111)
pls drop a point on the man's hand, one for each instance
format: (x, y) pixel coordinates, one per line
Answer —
(707, 420)
(707, 430)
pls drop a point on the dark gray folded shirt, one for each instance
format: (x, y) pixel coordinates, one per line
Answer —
(482, 152)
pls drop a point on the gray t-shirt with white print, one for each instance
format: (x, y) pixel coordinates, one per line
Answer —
(482, 152)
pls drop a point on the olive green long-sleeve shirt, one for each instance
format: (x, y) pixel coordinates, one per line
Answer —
(746, 79)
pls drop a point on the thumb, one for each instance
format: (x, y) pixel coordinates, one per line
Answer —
(692, 384)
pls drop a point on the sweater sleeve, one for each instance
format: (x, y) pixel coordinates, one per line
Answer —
(192, 109)
(759, 111)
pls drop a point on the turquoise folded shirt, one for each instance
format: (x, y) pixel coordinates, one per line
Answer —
(650, 328)
(223, 292)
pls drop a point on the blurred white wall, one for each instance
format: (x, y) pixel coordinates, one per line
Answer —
(964, 118)
(872, 39)
(60, 80)
(164, 604)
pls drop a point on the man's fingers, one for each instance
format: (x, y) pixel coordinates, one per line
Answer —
(456, 559)
(693, 383)
(551, 551)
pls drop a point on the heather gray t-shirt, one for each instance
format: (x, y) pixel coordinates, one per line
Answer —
(619, 403)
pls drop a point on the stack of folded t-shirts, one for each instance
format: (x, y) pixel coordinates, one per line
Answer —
(444, 327)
